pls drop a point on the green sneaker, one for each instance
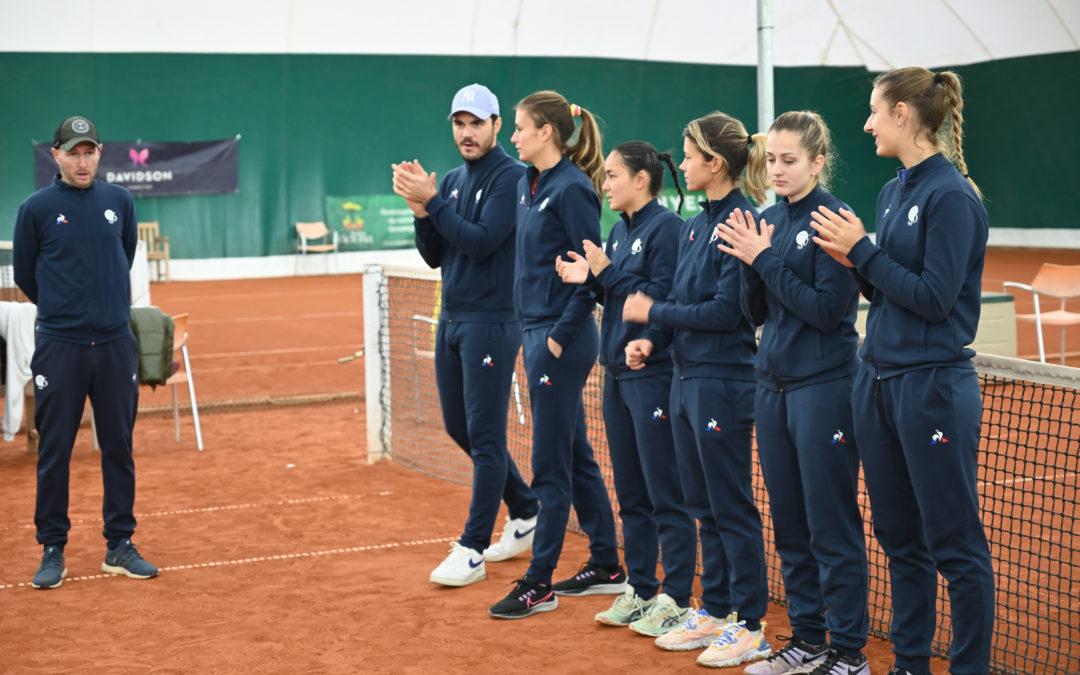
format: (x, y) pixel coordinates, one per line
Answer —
(663, 617)
(628, 607)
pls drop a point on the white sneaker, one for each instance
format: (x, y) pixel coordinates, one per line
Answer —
(516, 538)
(462, 567)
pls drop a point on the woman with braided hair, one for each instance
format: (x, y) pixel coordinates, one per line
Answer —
(916, 401)
(640, 257)
(559, 208)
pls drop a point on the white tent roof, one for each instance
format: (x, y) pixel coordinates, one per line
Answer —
(807, 32)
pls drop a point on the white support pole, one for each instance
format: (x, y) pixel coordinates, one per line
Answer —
(373, 364)
(765, 106)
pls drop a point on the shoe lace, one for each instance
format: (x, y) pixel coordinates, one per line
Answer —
(729, 633)
(832, 659)
(126, 552)
(53, 557)
(784, 651)
(585, 571)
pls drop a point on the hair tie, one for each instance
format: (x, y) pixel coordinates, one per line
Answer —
(938, 79)
(575, 110)
(750, 139)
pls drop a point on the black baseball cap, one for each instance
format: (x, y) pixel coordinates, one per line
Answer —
(75, 130)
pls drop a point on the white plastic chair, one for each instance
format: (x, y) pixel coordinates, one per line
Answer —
(1055, 281)
(310, 233)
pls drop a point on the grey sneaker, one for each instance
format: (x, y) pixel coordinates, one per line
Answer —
(52, 571)
(125, 560)
(795, 657)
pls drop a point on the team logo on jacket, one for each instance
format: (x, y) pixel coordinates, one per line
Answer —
(488, 362)
(478, 193)
(615, 246)
(522, 202)
(658, 414)
(802, 239)
(637, 247)
(454, 193)
(913, 215)
(110, 216)
(938, 438)
(713, 425)
(544, 380)
(691, 234)
(715, 234)
(838, 438)
(543, 204)
(61, 219)
(887, 209)
(40, 382)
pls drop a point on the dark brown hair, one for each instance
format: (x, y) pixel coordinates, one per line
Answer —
(642, 156)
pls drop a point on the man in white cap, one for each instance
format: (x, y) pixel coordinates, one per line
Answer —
(466, 229)
(73, 248)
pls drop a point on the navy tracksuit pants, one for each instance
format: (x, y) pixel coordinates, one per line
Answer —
(64, 375)
(564, 469)
(712, 419)
(651, 505)
(474, 364)
(918, 436)
(806, 445)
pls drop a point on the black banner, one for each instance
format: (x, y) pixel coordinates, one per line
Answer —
(156, 169)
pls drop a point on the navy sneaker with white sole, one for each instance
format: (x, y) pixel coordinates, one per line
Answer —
(125, 559)
(52, 571)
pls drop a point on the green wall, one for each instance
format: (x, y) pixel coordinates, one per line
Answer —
(313, 125)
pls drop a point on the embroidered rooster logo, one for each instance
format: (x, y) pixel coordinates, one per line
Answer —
(544, 381)
(838, 438)
(938, 438)
(488, 362)
(713, 425)
(658, 414)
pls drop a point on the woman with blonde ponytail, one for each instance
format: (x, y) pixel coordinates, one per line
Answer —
(916, 400)
(558, 210)
(712, 394)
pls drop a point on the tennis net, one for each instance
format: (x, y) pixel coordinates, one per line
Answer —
(1029, 451)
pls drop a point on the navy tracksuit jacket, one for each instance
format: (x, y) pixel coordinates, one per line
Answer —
(918, 408)
(468, 234)
(806, 444)
(712, 410)
(73, 249)
(557, 209)
(643, 249)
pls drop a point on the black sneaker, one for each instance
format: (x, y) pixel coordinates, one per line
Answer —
(527, 598)
(593, 580)
(125, 559)
(52, 571)
(843, 663)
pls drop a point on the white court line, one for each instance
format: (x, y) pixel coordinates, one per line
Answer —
(214, 509)
(274, 352)
(260, 559)
(277, 317)
(1030, 479)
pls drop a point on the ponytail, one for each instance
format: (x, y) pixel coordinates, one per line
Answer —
(721, 135)
(665, 157)
(938, 100)
(550, 107)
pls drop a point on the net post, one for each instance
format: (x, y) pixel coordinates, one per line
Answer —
(373, 363)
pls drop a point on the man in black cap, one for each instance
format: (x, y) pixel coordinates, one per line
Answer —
(73, 249)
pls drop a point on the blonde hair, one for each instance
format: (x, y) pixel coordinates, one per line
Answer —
(938, 98)
(814, 138)
(550, 107)
(721, 135)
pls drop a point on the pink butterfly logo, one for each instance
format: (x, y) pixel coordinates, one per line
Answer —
(139, 157)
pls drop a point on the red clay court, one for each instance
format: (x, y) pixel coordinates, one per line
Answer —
(283, 550)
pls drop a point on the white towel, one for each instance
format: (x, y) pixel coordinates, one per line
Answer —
(17, 328)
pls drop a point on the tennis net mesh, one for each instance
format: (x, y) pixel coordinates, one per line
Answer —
(1028, 471)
